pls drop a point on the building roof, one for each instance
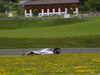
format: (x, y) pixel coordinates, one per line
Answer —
(41, 2)
(21, 2)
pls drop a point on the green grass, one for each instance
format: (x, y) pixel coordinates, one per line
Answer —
(3, 15)
(62, 42)
(16, 24)
(61, 64)
(50, 33)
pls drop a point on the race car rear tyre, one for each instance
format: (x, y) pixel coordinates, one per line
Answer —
(57, 50)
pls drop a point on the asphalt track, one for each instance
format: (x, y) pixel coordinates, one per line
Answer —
(63, 50)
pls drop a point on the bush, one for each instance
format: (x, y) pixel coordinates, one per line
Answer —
(35, 12)
(70, 11)
(3, 15)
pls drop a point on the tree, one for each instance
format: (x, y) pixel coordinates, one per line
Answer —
(20, 11)
(35, 12)
(94, 5)
(82, 2)
(11, 0)
(2, 8)
(14, 6)
(70, 11)
(83, 7)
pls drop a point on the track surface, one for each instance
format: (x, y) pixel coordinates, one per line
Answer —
(63, 50)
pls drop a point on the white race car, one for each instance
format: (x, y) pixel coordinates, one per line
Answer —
(44, 51)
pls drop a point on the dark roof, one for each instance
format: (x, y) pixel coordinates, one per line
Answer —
(40, 2)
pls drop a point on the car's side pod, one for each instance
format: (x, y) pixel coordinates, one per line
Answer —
(56, 50)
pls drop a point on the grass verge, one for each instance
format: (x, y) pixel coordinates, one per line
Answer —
(3, 15)
(50, 33)
(63, 42)
(16, 24)
(62, 64)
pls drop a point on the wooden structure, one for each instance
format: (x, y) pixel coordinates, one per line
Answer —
(50, 7)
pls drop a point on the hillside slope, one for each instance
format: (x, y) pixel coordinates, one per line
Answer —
(49, 28)
(51, 33)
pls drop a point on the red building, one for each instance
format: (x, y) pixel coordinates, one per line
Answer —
(50, 7)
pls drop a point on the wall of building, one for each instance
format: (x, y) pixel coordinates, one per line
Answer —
(50, 8)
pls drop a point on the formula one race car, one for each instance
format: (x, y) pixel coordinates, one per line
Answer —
(45, 51)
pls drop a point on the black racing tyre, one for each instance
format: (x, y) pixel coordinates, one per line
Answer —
(31, 53)
(57, 50)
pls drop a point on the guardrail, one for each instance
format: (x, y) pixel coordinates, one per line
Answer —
(63, 50)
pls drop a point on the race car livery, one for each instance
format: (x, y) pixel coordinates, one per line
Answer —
(44, 51)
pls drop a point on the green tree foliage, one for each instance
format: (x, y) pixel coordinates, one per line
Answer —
(84, 7)
(14, 6)
(70, 11)
(11, 0)
(2, 8)
(35, 12)
(94, 5)
(82, 2)
(20, 11)
(6, 4)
